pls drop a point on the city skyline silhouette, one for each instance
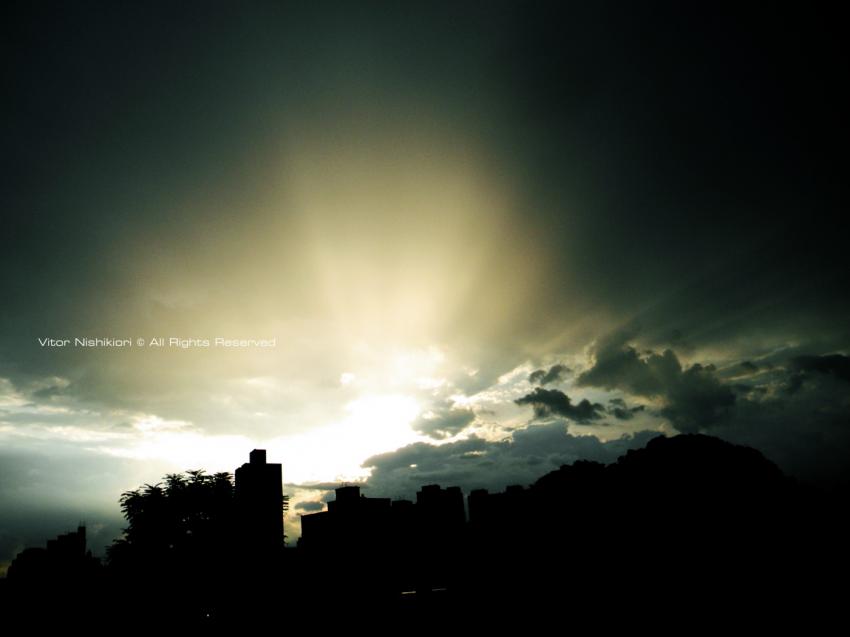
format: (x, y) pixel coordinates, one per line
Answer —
(691, 509)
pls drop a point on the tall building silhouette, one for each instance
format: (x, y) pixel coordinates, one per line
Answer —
(259, 498)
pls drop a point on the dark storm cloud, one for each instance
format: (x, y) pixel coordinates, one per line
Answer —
(310, 506)
(693, 398)
(672, 173)
(749, 367)
(536, 375)
(617, 407)
(622, 414)
(797, 412)
(836, 365)
(555, 374)
(806, 431)
(809, 369)
(444, 421)
(548, 402)
(476, 463)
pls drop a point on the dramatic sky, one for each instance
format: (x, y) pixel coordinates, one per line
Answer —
(487, 238)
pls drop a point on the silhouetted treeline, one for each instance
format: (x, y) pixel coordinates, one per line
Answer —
(174, 526)
(687, 527)
(688, 522)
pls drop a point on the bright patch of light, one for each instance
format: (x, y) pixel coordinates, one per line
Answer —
(151, 424)
(415, 365)
(431, 383)
(374, 424)
(261, 382)
(65, 433)
(186, 450)
(462, 401)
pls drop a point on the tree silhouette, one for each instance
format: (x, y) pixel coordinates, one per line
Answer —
(171, 526)
(186, 523)
(186, 528)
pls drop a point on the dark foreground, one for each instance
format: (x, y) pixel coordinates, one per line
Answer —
(685, 535)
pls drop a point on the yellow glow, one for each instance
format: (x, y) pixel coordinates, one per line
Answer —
(186, 450)
(375, 423)
(374, 263)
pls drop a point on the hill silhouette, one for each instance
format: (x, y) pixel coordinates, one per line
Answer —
(690, 521)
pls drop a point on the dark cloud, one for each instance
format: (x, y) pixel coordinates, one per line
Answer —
(617, 407)
(808, 368)
(806, 431)
(691, 398)
(836, 365)
(698, 400)
(477, 463)
(796, 411)
(445, 421)
(548, 402)
(310, 506)
(555, 374)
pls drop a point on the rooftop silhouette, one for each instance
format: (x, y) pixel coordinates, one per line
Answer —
(690, 513)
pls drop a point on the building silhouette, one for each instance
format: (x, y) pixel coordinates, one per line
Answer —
(441, 511)
(259, 503)
(690, 510)
(356, 520)
(63, 561)
(488, 512)
(352, 521)
(389, 546)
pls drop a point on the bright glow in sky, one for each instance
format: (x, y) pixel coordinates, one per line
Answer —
(334, 452)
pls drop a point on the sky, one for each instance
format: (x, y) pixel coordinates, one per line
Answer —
(479, 239)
